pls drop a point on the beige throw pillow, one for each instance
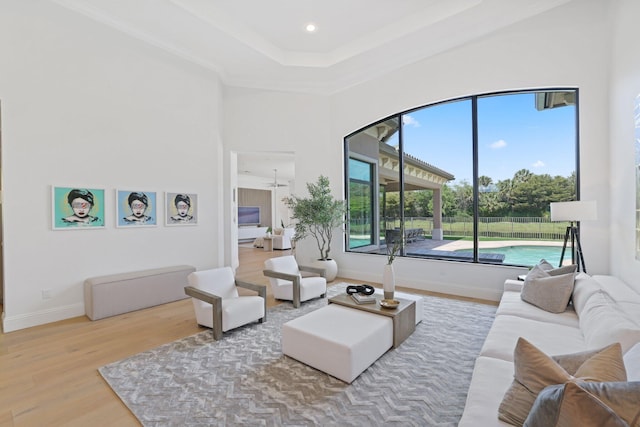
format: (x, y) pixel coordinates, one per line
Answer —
(556, 271)
(550, 293)
(607, 404)
(534, 370)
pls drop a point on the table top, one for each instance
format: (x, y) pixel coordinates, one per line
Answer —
(347, 301)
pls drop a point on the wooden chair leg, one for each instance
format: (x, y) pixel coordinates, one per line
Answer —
(217, 319)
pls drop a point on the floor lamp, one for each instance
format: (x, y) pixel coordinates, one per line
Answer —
(573, 212)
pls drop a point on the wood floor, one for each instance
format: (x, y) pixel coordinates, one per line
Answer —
(48, 373)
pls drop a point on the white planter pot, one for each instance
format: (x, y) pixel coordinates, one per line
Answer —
(388, 281)
(330, 267)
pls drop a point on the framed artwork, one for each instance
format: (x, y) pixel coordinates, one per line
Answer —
(135, 208)
(181, 208)
(77, 208)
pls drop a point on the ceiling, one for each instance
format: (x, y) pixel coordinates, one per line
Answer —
(259, 168)
(263, 43)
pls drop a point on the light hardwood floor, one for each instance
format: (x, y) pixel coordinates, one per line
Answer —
(49, 374)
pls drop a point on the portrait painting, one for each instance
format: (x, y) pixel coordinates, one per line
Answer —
(135, 208)
(181, 209)
(77, 208)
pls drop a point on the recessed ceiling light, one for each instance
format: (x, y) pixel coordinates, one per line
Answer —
(311, 27)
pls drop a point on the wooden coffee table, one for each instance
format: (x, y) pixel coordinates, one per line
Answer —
(403, 316)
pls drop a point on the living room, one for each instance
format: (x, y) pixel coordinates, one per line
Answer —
(83, 103)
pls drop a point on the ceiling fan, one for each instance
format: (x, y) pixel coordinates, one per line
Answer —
(275, 180)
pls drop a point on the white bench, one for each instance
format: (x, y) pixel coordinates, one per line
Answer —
(106, 296)
(340, 341)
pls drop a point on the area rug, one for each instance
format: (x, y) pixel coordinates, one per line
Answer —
(245, 380)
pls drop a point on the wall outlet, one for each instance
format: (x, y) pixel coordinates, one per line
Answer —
(46, 293)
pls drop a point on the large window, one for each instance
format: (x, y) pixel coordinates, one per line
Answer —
(469, 179)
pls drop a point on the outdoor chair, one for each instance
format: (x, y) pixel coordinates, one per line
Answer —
(217, 303)
(287, 281)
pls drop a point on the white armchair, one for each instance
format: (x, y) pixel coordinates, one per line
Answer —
(287, 282)
(217, 303)
(282, 238)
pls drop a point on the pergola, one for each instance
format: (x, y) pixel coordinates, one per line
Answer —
(418, 175)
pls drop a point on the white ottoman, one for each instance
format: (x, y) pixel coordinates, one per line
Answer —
(340, 341)
(410, 297)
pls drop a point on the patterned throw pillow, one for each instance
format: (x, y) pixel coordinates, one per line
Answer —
(534, 370)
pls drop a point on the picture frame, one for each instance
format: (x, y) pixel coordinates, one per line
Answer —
(181, 209)
(77, 208)
(136, 208)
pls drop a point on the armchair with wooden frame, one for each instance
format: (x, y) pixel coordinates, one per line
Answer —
(290, 281)
(219, 306)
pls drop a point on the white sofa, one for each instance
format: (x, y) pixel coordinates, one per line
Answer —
(604, 310)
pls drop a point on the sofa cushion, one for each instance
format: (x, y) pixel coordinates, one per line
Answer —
(550, 293)
(606, 404)
(551, 338)
(584, 287)
(602, 322)
(512, 304)
(534, 370)
(627, 298)
(632, 363)
(491, 377)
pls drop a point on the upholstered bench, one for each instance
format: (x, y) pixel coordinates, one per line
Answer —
(106, 296)
(338, 340)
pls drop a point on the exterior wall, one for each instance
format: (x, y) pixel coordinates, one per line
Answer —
(85, 105)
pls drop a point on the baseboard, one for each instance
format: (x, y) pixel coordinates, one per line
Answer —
(28, 320)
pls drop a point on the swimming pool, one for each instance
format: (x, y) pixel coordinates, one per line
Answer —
(528, 255)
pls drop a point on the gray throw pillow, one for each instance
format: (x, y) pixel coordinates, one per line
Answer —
(604, 404)
(550, 293)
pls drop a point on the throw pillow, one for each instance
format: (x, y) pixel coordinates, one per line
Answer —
(556, 271)
(550, 293)
(534, 370)
(574, 404)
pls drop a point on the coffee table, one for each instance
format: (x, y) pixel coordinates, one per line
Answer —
(403, 316)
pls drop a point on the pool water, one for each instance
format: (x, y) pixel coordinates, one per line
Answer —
(528, 255)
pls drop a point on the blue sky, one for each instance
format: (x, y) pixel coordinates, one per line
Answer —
(512, 135)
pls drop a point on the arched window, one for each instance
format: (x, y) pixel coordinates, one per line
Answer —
(469, 179)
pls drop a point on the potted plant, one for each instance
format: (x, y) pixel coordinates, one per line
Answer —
(318, 215)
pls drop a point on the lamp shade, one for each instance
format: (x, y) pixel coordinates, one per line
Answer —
(574, 211)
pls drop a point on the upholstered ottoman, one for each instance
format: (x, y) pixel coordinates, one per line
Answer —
(340, 341)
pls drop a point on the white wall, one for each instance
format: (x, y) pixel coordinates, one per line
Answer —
(566, 47)
(260, 120)
(625, 86)
(84, 105)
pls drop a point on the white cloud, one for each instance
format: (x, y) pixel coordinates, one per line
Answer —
(410, 121)
(498, 144)
(538, 164)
